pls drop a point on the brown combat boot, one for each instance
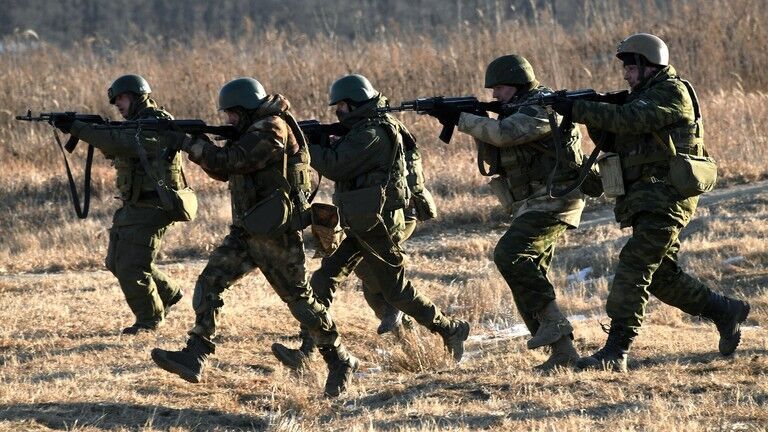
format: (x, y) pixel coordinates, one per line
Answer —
(454, 336)
(296, 359)
(189, 363)
(341, 366)
(727, 314)
(553, 325)
(563, 355)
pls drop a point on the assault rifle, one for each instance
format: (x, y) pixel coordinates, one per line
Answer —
(438, 103)
(549, 98)
(317, 132)
(52, 118)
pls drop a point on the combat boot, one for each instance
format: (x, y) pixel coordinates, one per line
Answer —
(553, 325)
(341, 366)
(563, 355)
(391, 319)
(138, 328)
(454, 336)
(727, 314)
(613, 356)
(189, 363)
(296, 359)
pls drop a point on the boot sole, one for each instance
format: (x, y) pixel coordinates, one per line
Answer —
(739, 320)
(174, 368)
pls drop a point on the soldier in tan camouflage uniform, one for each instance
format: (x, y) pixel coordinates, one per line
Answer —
(139, 225)
(511, 145)
(660, 119)
(255, 165)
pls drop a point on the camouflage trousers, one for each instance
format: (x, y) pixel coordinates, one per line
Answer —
(648, 265)
(384, 273)
(523, 256)
(134, 242)
(281, 259)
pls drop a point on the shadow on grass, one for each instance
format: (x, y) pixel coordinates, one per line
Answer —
(110, 415)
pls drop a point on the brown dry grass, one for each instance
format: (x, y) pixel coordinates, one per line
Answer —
(63, 366)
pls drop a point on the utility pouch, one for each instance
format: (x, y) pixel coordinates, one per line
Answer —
(611, 174)
(692, 175)
(326, 229)
(180, 205)
(270, 216)
(500, 188)
(424, 204)
(361, 208)
(592, 185)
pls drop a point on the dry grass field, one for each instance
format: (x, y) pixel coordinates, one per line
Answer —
(64, 366)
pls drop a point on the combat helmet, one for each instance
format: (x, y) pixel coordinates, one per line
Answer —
(355, 88)
(652, 49)
(509, 70)
(242, 92)
(128, 83)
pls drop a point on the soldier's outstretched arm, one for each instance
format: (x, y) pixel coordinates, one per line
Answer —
(263, 143)
(528, 125)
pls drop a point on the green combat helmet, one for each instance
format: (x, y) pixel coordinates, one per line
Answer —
(242, 92)
(651, 47)
(128, 83)
(509, 70)
(355, 87)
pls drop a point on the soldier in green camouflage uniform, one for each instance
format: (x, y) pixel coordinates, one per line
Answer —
(661, 109)
(421, 207)
(368, 166)
(139, 225)
(255, 167)
(512, 145)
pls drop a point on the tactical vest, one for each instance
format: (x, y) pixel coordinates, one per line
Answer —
(397, 193)
(522, 165)
(650, 156)
(133, 183)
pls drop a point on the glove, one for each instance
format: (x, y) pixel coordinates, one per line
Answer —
(563, 106)
(446, 116)
(63, 123)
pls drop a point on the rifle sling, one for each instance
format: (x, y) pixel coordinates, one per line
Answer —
(81, 211)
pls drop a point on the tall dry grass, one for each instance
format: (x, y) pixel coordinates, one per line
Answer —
(720, 58)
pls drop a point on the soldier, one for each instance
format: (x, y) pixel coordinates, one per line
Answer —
(660, 114)
(513, 145)
(421, 207)
(139, 225)
(368, 166)
(255, 167)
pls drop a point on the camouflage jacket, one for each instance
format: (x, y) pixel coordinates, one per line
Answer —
(657, 111)
(364, 156)
(512, 133)
(120, 145)
(254, 164)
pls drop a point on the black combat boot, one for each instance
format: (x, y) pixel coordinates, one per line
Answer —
(454, 336)
(341, 366)
(391, 319)
(613, 356)
(189, 363)
(138, 328)
(727, 314)
(296, 359)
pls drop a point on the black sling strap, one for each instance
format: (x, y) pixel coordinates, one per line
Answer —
(81, 211)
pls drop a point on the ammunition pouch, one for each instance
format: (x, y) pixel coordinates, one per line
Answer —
(179, 205)
(692, 175)
(326, 229)
(611, 174)
(270, 216)
(361, 208)
(592, 185)
(424, 204)
(500, 188)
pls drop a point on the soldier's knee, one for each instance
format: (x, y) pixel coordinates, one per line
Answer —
(205, 298)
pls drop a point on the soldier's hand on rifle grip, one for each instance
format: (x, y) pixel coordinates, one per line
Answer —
(563, 106)
(63, 123)
(446, 116)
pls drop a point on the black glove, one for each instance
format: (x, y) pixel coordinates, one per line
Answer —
(446, 116)
(563, 106)
(63, 122)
